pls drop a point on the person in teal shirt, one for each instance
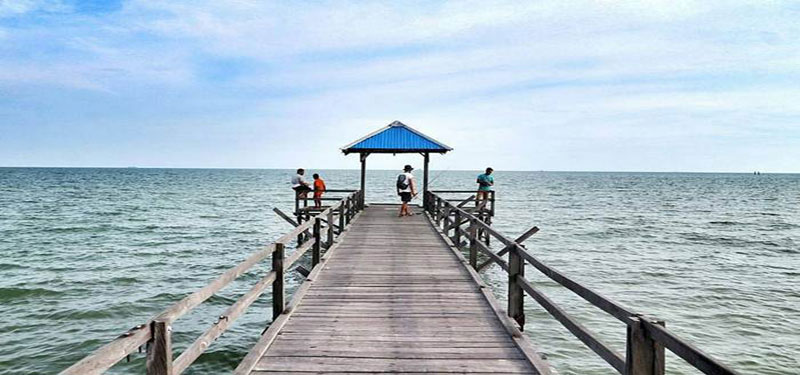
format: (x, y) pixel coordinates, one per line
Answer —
(485, 183)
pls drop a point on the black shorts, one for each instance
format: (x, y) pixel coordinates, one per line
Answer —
(405, 197)
(302, 189)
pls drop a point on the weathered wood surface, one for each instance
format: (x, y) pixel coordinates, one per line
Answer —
(394, 298)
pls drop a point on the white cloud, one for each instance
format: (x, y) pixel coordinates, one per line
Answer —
(10, 8)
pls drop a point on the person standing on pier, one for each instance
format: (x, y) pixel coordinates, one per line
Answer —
(300, 186)
(406, 189)
(485, 183)
(319, 188)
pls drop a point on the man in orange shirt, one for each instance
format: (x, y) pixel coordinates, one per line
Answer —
(319, 188)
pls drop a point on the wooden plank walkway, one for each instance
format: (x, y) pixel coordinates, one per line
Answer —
(393, 297)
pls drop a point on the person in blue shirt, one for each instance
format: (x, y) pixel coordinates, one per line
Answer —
(485, 183)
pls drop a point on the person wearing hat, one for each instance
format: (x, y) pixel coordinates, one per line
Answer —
(406, 189)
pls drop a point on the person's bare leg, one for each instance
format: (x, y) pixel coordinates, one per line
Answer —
(402, 209)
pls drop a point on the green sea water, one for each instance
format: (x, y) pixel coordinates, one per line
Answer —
(86, 254)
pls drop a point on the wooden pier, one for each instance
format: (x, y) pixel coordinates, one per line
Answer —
(393, 296)
(397, 295)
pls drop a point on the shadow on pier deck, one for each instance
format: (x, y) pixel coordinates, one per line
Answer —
(393, 296)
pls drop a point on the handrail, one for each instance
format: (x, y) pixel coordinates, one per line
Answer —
(587, 337)
(453, 191)
(685, 350)
(647, 337)
(201, 343)
(156, 331)
(612, 308)
(482, 208)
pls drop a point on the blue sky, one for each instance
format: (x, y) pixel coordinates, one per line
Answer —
(538, 85)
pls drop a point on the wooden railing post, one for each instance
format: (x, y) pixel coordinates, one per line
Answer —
(457, 230)
(341, 217)
(643, 356)
(473, 243)
(330, 228)
(445, 221)
(428, 200)
(296, 203)
(299, 235)
(438, 211)
(315, 249)
(277, 286)
(348, 211)
(491, 212)
(516, 267)
(159, 350)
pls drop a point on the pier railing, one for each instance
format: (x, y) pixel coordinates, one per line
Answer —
(156, 333)
(646, 336)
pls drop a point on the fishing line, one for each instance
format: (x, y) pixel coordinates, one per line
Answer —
(433, 180)
(437, 176)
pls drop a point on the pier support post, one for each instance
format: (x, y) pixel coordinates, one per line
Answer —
(277, 286)
(159, 350)
(516, 268)
(473, 243)
(644, 356)
(315, 249)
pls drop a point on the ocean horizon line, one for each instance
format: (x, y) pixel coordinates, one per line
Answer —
(382, 169)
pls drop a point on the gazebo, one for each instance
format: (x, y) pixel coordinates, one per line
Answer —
(396, 138)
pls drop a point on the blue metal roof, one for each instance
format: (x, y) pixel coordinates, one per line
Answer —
(396, 138)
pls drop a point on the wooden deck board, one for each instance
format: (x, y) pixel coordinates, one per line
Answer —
(393, 299)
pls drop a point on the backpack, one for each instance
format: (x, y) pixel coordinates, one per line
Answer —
(402, 181)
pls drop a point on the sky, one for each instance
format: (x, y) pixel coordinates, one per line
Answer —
(572, 85)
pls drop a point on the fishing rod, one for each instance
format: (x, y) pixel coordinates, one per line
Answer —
(433, 180)
(437, 176)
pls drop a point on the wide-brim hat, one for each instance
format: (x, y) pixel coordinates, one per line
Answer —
(408, 168)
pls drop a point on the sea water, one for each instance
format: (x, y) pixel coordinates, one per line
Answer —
(86, 254)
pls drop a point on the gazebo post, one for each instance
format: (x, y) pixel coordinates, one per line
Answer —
(363, 175)
(427, 157)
